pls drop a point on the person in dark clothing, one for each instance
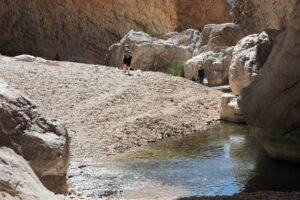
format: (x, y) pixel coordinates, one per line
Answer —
(127, 56)
(201, 75)
(57, 57)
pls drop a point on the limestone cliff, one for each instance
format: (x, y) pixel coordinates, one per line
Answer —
(78, 30)
(83, 30)
(197, 13)
(256, 15)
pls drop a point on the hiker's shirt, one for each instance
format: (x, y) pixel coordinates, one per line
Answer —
(127, 54)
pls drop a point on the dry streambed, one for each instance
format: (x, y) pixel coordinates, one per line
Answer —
(108, 112)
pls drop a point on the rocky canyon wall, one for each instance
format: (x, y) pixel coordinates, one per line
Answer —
(78, 30)
(83, 30)
(197, 13)
(254, 16)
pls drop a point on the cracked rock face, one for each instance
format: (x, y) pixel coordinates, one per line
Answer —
(271, 104)
(43, 143)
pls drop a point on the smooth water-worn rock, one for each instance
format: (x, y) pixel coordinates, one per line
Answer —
(248, 57)
(271, 103)
(153, 54)
(254, 16)
(230, 110)
(197, 13)
(43, 143)
(215, 63)
(18, 181)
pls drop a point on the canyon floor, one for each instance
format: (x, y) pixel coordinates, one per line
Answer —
(108, 112)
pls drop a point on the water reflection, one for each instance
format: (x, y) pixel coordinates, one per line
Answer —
(223, 160)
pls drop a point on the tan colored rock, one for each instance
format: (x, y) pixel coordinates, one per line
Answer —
(271, 103)
(230, 110)
(78, 30)
(248, 57)
(18, 181)
(153, 54)
(213, 51)
(218, 36)
(254, 16)
(43, 143)
(197, 13)
(215, 63)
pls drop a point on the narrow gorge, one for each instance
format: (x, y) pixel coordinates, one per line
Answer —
(73, 125)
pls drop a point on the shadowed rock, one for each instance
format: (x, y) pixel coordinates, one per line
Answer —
(271, 104)
(18, 181)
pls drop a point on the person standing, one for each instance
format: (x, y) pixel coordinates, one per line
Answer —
(201, 75)
(127, 56)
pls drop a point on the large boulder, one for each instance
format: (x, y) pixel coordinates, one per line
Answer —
(271, 103)
(43, 143)
(248, 57)
(215, 63)
(18, 181)
(230, 110)
(153, 54)
(213, 51)
(218, 36)
(254, 16)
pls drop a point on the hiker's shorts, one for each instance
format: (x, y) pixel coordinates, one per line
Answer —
(127, 61)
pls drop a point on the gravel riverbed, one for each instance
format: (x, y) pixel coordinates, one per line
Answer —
(108, 112)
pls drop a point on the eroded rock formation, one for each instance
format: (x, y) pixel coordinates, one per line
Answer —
(271, 103)
(218, 36)
(254, 16)
(213, 51)
(43, 143)
(215, 63)
(18, 181)
(248, 57)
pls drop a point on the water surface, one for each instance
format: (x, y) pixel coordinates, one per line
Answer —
(223, 160)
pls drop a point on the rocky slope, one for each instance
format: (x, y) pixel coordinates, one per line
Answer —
(271, 103)
(108, 112)
(254, 16)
